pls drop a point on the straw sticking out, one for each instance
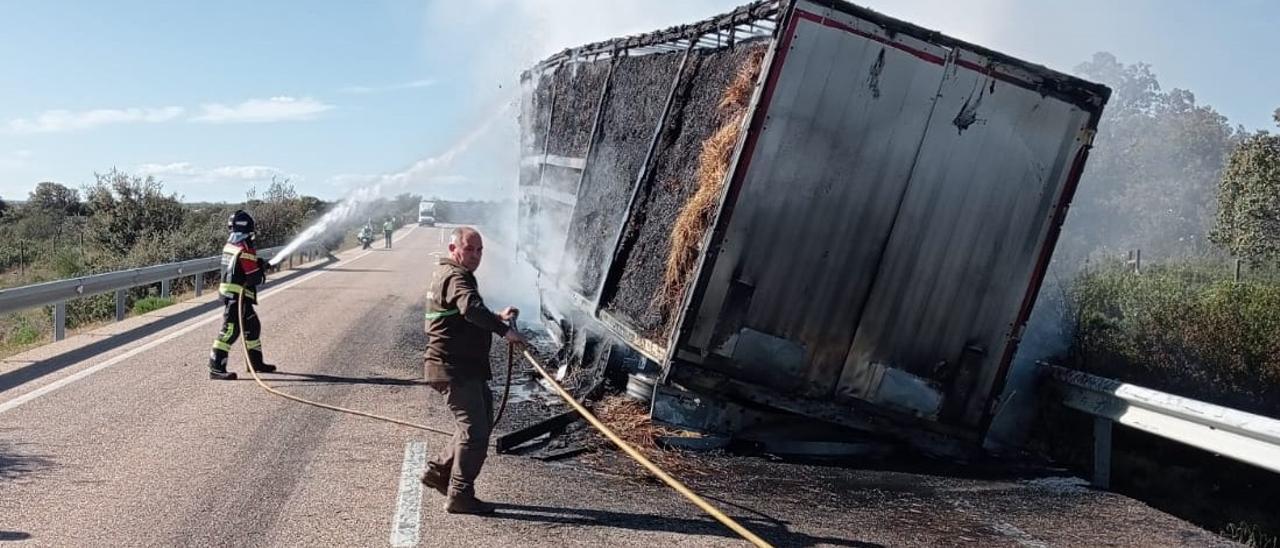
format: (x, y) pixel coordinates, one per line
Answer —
(713, 169)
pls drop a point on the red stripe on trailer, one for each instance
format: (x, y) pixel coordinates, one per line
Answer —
(921, 54)
(832, 23)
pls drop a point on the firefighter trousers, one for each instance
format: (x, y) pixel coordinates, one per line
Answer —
(231, 331)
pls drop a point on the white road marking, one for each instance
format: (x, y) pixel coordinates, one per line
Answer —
(405, 524)
(211, 316)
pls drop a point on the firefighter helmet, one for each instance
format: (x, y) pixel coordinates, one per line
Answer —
(240, 221)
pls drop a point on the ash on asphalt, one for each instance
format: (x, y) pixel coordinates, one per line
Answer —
(862, 502)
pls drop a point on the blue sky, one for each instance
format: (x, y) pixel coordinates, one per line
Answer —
(215, 97)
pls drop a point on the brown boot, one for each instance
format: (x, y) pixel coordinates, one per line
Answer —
(437, 481)
(467, 504)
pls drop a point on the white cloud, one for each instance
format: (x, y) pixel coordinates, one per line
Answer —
(51, 121)
(163, 170)
(247, 173)
(187, 172)
(393, 87)
(275, 109)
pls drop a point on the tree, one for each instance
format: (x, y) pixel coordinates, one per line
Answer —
(1135, 88)
(1152, 178)
(127, 209)
(55, 198)
(1249, 201)
(280, 213)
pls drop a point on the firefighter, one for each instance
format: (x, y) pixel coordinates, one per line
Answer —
(242, 273)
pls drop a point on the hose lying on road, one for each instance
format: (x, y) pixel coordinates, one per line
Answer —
(645, 462)
(626, 447)
(271, 390)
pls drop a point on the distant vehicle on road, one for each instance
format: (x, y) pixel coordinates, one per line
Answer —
(426, 213)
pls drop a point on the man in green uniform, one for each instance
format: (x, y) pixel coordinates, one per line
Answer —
(459, 328)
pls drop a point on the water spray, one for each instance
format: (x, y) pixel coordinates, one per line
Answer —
(360, 198)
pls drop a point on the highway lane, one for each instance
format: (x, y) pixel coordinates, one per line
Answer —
(149, 452)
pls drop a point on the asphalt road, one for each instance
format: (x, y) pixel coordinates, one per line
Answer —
(122, 441)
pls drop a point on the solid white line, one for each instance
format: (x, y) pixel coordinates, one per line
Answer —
(404, 526)
(212, 315)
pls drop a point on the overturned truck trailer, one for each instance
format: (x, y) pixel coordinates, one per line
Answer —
(805, 206)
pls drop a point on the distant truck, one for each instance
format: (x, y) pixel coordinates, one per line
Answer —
(426, 213)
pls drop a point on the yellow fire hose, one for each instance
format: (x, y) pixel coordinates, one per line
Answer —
(626, 447)
(268, 388)
(645, 462)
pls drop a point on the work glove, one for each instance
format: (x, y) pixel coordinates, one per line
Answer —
(264, 266)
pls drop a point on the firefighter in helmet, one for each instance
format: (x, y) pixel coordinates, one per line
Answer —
(242, 272)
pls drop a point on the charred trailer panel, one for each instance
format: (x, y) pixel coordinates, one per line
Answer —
(805, 204)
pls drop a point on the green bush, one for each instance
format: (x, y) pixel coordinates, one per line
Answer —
(149, 304)
(1186, 328)
(68, 263)
(89, 310)
(24, 334)
(22, 329)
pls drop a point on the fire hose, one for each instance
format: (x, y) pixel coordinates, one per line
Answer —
(511, 366)
(672, 482)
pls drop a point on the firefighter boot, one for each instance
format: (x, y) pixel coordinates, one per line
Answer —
(218, 368)
(259, 365)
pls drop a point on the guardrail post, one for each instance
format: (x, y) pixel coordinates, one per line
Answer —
(120, 305)
(1101, 452)
(60, 320)
(164, 289)
(199, 284)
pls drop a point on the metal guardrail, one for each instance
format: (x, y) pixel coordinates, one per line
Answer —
(1245, 437)
(59, 292)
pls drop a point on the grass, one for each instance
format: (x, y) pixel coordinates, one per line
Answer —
(1191, 329)
(23, 330)
(150, 304)
(1185, 328)
(24, 333)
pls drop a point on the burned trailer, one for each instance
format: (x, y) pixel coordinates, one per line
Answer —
(804, 205)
